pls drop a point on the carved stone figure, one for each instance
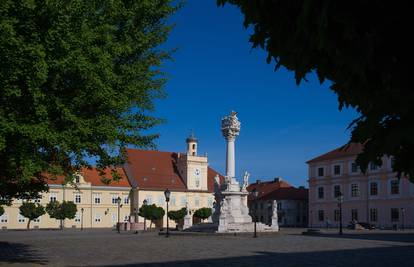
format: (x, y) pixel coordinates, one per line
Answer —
(245, 181)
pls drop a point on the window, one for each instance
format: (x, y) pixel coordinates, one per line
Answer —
(36, 200)
(183, 201)
(354, 190)
(115, 199)
(320, 192)
(172, 200)
(53, 197)
(194, 146)
(321, 215)
(77, 198)
(21, 219)
(126, 218)
(210, 202)
(77, 217)
(77, 179)
(97, 218)
(320, 171)
(337, 169)
(336, 215)
(97, 199)
(373, 167)
(279, 205)
(37, 220)
(354, 167)
(261, 205)
(395, 187)
(395, 215)
(337, 191)
(126, 200)
(196, 201)
(354, 214)
(373, 188)
(4, 218)
(197, 181)
(161, 200)
(373, 215)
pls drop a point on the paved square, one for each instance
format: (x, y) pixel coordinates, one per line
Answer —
(287, 248)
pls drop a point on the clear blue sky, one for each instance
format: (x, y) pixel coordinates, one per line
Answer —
(215, 71)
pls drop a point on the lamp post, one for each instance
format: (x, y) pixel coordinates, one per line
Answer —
(82, 219)
(145, 202)
(340, 200)
(255, 194)
(118, 226)
(167, 194)
(402, 218)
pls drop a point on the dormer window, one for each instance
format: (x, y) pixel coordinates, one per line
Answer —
(77, 179)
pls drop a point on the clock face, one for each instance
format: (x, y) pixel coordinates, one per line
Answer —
(197, 172)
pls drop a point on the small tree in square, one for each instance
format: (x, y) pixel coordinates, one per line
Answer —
(203, 213)
(31, 211)
(177, 215)
(151, 212)
(66, 210)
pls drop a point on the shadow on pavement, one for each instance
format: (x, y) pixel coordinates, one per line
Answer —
(400, 256)
(19, 253)
(394, 237)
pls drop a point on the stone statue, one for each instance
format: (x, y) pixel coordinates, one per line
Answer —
(230, 125)
(187, 209)
(245, 181)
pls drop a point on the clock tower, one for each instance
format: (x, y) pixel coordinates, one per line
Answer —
(192, 167)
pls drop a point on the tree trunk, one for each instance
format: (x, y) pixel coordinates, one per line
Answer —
(28, 224)
(61, 224)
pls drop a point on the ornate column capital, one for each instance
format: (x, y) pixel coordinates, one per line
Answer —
(230, 126)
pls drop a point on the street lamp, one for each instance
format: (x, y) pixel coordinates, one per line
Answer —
(167, 194)
(82, 218)
(402, 218)
(145, 202)
(118, 200)
(340, 201)
(255, 194)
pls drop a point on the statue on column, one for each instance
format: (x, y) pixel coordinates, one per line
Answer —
(245, 181)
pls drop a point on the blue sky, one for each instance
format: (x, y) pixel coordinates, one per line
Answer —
(214, 71)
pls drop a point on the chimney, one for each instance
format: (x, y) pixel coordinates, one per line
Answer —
(277, 179)
(258, 181)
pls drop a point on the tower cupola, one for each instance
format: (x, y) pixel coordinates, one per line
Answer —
(191, 145)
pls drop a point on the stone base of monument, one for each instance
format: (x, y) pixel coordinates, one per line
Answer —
(246, 228)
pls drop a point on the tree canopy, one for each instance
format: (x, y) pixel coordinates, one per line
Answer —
(61, 211)
(31, 211)
(1, 210)
(177, 215)
(363, 48)
(77, 80)
(203, 213)
(151, 212)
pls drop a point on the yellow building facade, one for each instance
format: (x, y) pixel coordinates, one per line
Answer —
(146, 175)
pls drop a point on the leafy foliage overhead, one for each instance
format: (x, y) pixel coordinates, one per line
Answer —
(363, 47)
(1, 210)
(77, 79)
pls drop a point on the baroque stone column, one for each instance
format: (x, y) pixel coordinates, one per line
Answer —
(230, 128)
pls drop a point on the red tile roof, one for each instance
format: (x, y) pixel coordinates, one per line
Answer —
(287, 193)
(267, 187)
(157, 170)
(347, 150)
(94, 177)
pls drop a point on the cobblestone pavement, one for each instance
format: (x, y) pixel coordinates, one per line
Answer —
(286, 248)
